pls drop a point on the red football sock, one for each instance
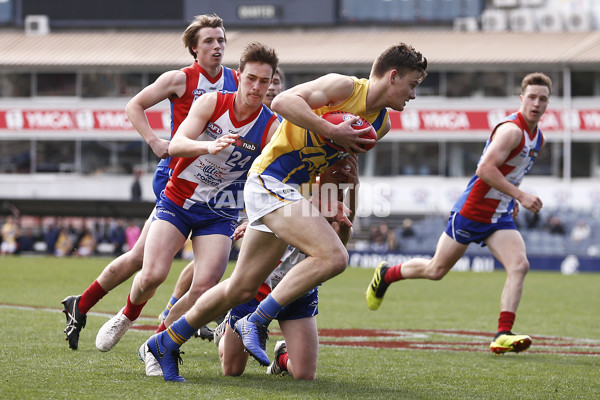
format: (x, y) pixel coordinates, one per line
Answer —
(90, 297)
(161, 327)
(133, 311)
(393, 274)
(283, 360)
(506, 321)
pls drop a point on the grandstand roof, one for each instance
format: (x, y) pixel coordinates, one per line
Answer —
(301, 49)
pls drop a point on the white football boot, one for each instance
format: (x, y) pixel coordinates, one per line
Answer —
(112, 331)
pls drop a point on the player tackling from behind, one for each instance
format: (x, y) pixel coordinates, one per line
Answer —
(485, 212)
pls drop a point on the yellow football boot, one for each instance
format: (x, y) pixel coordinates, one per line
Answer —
(377, 287)
(508, 341)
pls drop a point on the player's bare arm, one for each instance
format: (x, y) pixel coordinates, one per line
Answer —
(185, 143)
(170, 84)
(505, 139)
(272, 130)
(345, 231)
(296, 105)
(384, 131)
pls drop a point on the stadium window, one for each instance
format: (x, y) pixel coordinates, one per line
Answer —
(383, 163)
(462, 158)
(110, 84)
(494, 84)
(463, 84)
(56, 84)
(112, 157)
(152, 76)
(15, 156)
(430, 86)
(584, 83)
(581, 161)
(15, 85)
(130, 84)
(55, 156)
(407, 158)
(99, 84)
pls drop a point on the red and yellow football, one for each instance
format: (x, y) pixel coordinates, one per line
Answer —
(337, 117)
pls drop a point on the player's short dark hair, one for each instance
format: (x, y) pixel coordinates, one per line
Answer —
(258, 52)
(279, 71)
(401, 57)
(190, 35)
(537, 79)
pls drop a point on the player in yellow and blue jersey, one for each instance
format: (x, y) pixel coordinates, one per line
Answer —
(279, 215)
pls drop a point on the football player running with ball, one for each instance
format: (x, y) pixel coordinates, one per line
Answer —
(278, 213)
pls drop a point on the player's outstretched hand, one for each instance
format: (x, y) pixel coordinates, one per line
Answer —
(222, 142)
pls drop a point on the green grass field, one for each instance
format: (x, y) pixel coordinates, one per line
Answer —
(428, 352)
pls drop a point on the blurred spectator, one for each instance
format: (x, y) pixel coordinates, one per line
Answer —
(86, 245)
(383, 238)
(10, 234)
(51, 232)
(26, 241)
(117, 236)
(580, 232)
(407, 228)
(532, 219)
(64, 243)
(136, 187)
(555, 226)
(132, 233)
(101, 231)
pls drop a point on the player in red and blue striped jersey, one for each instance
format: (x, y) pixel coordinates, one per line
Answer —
(205, 40)
(223, 133)
(484, 213)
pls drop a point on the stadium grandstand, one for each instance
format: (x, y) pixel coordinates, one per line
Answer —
(66, 74)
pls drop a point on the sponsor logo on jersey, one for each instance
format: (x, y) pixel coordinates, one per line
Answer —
(213, 130)
(533, 153)
(246, 145)
(210, 175)
(198, 92)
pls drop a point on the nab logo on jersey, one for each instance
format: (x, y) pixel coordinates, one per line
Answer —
(533, 153)
(213, 130)
(198, 92)
(246, 145)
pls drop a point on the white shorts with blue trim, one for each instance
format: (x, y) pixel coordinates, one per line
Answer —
(264, 194)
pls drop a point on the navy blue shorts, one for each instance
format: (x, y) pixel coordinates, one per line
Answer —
(304, 307)
(160, 179)
(200, 219)
(465, 231)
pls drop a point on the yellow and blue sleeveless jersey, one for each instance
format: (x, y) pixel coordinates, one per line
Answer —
(296, 156)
